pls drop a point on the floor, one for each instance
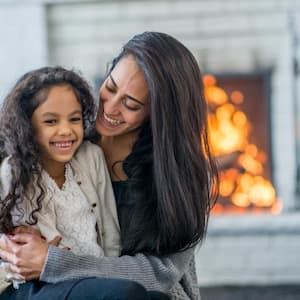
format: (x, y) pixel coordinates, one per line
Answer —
(285, 292)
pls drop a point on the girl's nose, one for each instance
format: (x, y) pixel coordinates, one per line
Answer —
(65, 129)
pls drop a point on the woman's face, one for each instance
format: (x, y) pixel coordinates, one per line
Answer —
(123, 97)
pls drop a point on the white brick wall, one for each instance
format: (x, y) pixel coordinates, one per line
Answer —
(225, 36)
(94, 33)
(23, 41)
(249, 250)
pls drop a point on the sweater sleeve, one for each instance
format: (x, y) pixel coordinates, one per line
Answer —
(154, 273)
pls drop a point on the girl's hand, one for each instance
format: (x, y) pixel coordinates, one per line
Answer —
(26, 253)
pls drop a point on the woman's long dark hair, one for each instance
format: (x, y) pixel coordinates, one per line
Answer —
(172, 176)
(17, 138)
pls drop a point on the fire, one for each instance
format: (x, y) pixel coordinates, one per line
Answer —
(242, 182)
(228, 130)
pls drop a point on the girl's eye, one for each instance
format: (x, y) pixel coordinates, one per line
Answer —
(76, 119)
(50, 121)
(131, 105)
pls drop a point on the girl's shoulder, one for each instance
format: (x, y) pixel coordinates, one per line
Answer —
(89, 164)
(88, 150)
(88, 156)
(5, 176)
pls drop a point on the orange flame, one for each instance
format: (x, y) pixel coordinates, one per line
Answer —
(229, 130)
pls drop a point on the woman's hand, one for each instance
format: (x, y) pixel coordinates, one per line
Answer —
(26, 252)
(26, 229)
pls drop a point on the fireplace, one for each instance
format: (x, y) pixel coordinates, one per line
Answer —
(253, 236)
(239, 133)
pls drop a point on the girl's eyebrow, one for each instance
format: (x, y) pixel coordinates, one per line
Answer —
(48, 113)
(128, 96)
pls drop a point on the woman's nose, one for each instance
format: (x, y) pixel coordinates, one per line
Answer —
(112, 106)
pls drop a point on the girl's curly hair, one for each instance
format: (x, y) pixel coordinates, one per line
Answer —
(17, 134)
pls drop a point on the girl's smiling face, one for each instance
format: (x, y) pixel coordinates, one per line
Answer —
(123, 98)
(58, 126)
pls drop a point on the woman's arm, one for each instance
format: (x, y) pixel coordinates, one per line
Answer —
(154, 273)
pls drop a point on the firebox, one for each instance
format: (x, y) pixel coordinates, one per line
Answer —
(240, 139)
(253, 232)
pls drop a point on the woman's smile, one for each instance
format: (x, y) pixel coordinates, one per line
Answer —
(108, 122)
(112, 121)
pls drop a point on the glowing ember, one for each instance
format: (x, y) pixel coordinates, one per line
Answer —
(242, 182)
(237, 97)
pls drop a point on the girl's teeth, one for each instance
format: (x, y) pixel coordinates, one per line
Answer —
(111, 121)
(63, 144)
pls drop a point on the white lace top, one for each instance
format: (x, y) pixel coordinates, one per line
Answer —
(75, 218)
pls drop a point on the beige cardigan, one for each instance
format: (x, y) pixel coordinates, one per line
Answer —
(89, 167)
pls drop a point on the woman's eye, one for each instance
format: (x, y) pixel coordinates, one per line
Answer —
(131, 105)
(110, 88)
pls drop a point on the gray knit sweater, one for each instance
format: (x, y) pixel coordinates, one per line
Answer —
(173, 274)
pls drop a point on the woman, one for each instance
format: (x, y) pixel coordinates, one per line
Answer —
(152, 125)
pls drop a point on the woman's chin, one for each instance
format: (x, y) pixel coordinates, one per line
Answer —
(106, 130)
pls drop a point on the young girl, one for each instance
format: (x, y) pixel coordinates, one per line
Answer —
(48, 178)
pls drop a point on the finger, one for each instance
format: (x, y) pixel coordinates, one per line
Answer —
(24, 273)
(7, 244)
(15, 271)
(10, 257)
(23, 238)
(26, 229)
(21, 271)
(2, 242)
(55, 241)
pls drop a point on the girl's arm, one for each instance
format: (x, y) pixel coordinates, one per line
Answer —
(33, 261)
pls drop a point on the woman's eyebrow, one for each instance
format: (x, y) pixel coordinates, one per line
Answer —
(112, 80)
(130, 97)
